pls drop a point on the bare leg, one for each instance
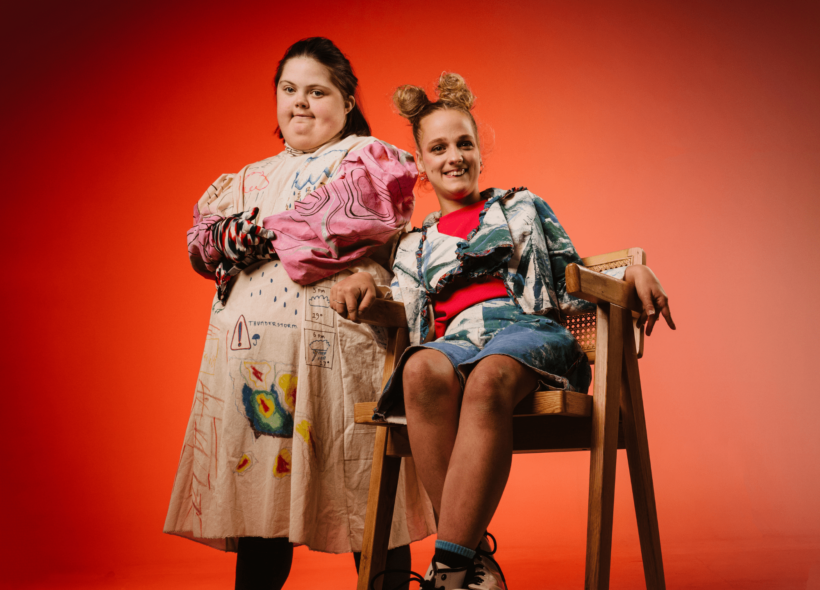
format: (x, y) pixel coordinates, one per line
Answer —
(480, 461)
(432, 395)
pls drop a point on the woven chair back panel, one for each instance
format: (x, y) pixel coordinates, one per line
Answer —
(584, 326)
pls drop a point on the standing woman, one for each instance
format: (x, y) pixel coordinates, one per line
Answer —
(270, 458)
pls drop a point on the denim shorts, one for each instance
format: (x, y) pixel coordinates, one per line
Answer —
(498, 326)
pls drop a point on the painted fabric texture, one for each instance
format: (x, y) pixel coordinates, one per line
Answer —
(271, 449)
(369, 199)
(518, 240)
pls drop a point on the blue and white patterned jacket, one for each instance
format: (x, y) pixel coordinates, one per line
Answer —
(518, 240)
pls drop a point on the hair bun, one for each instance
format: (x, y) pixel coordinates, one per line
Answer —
(410, 100)
(452, 90)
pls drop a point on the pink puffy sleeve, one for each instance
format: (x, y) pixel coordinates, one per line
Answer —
(202, 253)
(212, 207)
(370, 199)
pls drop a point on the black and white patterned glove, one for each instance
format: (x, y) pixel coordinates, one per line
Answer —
(237, 238)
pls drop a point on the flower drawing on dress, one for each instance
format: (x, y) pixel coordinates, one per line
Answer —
(269, 399)
(282, 464)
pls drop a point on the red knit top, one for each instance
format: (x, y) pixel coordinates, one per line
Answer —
(461, 293)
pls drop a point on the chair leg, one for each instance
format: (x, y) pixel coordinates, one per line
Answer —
(604, 445)
(381, 499)
(640, 469)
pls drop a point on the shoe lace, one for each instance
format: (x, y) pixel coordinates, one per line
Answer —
(417, 577)
(478, 572)
(413, 577)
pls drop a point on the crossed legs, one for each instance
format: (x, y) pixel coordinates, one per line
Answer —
(462, 444)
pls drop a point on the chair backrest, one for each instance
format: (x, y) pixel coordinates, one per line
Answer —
(582, 326)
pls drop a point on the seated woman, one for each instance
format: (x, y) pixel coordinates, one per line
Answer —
(492, 265)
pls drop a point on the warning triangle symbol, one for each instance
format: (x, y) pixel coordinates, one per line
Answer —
(241, 340)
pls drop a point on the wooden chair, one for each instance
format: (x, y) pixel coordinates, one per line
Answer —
(550, 421)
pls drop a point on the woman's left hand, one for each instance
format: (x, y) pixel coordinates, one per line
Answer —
(651, 294)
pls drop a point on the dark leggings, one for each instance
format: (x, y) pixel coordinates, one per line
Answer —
(264, 564)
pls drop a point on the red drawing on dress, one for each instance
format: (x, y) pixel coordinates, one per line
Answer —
(257, 374)
(282, 467)
(240, 339)
(255, 181)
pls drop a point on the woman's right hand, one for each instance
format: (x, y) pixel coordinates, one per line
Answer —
(238, 238)
(353, 295)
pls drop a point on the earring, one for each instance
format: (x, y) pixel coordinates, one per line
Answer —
(422, 176)
(481, 167)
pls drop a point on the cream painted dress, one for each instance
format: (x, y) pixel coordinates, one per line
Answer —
(271, 449)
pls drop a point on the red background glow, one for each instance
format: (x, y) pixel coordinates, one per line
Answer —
(690, 129)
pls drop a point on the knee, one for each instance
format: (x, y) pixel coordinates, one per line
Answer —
(492, 388)
(429, 380)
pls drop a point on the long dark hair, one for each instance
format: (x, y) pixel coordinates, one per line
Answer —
(341, 73)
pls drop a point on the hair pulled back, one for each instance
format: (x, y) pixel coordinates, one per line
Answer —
(341, 74)
(452, 92)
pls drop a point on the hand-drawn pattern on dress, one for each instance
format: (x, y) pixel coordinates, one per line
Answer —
(202, 440)
(304, 184)
(241, 339)
(245, 463)
(209, 356)
(255, 181)
(319, 470)
(283, 464)
(268, 397)
(319, 348)
(305, 430)
(367, 203)
(319, 306)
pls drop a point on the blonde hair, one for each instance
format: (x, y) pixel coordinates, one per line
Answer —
(452, 92)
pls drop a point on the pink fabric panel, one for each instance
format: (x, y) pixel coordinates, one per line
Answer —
(201, 250)
(369, 201)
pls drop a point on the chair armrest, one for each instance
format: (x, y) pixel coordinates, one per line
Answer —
(385, 313)
(597, 288)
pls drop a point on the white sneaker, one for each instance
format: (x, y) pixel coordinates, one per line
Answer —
(442, 577)
(438, 577)
(486, 573)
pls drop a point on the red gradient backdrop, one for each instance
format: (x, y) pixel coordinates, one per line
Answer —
(689, 129)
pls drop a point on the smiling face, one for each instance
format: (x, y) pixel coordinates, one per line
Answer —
(450, 155)
(309, 107)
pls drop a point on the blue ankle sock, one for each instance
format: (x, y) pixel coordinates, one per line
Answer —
(453, 555)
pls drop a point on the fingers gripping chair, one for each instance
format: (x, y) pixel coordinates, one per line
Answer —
(611, 418)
